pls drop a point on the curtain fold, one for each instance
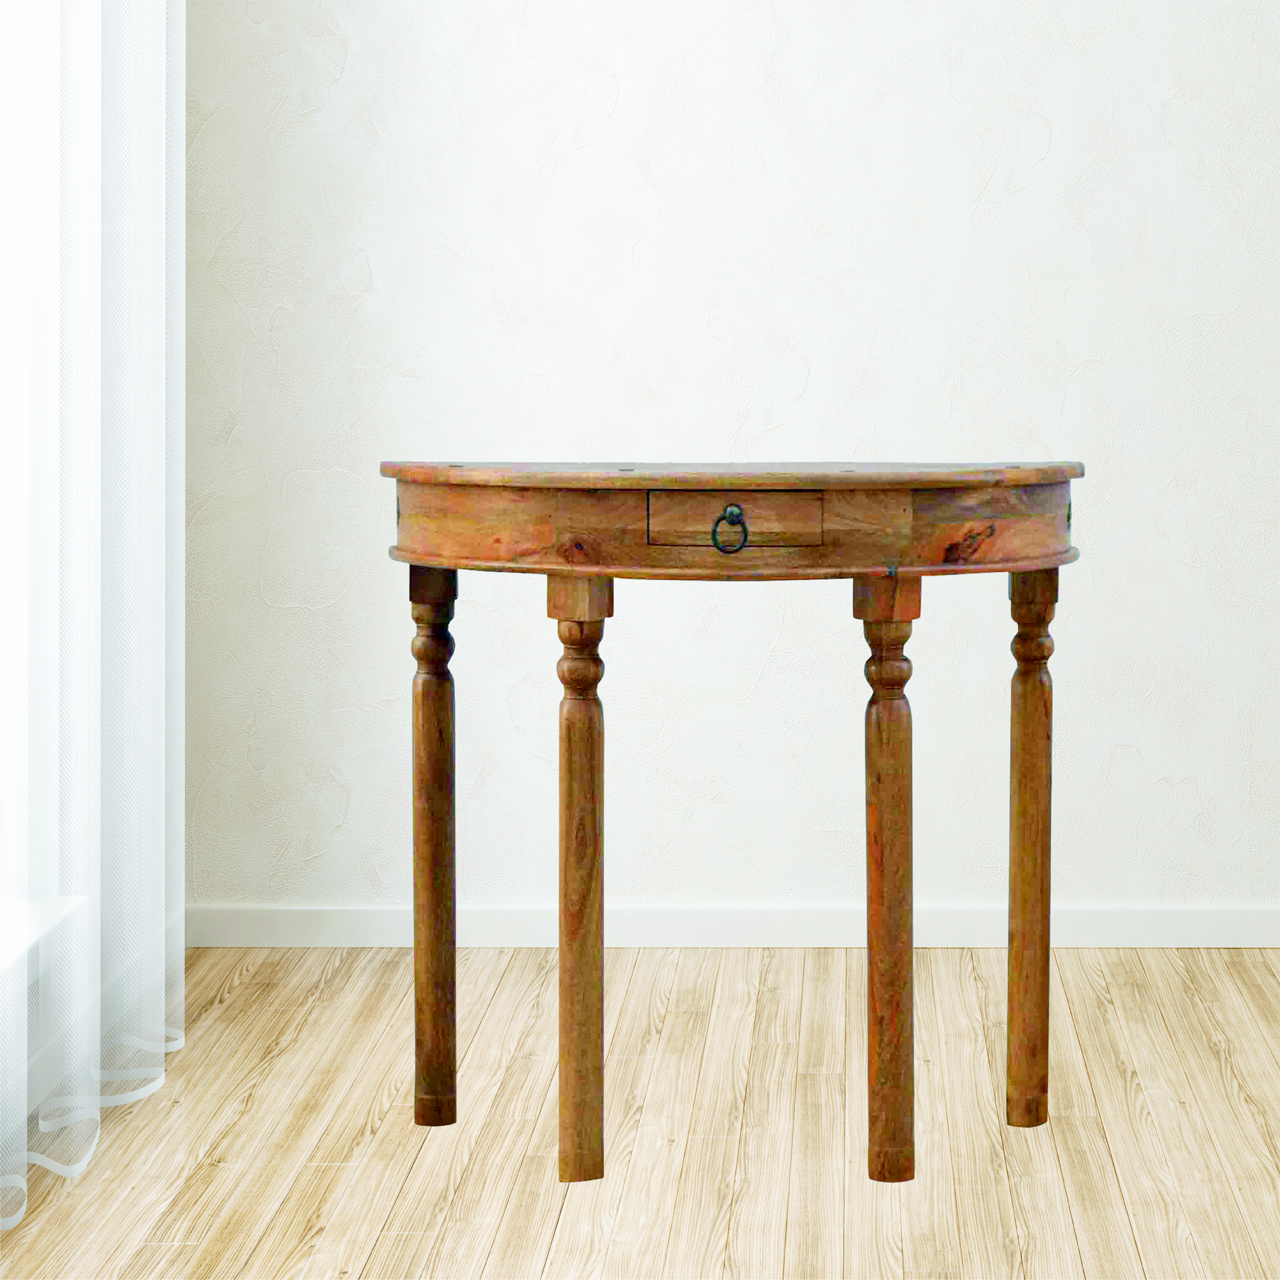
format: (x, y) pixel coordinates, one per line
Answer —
(91, 534)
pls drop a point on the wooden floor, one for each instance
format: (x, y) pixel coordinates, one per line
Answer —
(283, 1143)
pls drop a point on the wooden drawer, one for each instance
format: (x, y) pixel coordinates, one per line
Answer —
(774, 517)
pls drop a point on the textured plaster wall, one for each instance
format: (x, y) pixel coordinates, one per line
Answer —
(710, 231)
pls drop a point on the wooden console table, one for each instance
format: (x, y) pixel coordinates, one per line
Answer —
(882, 524)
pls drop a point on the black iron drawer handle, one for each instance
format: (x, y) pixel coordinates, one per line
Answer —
(732, 514)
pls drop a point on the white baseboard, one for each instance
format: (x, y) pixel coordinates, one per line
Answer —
(241, 924)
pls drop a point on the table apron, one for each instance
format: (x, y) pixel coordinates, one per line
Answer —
(792, 533)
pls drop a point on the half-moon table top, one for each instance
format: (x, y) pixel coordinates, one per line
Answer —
(763, 520)
(719, 475)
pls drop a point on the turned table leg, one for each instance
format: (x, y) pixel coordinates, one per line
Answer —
(432, 593)
(1033, 596)
(581, 604)
(887, 606)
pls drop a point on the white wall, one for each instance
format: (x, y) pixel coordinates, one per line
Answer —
(711, 231)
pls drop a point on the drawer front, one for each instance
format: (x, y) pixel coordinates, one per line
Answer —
(774, 517)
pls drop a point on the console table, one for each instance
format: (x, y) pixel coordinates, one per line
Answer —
(884, 525)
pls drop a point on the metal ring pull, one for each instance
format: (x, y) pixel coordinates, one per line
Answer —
(732, 514)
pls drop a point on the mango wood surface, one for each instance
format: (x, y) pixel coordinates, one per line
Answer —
(1179, 1048)
(886, 607)
(745, 475)
(433, 592)
(883, 525)
(684, 517)
(1032, 597)
(655, 522)
(580, 606)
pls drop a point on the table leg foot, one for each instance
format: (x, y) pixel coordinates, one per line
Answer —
(435, 1111)
(886, 607)
(580, 605)
(1033, 596)
(582, 1164)
(1026, 1113)
(891, 1164)
(432, 593)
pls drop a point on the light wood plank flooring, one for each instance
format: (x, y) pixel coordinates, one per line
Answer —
(282, 1143)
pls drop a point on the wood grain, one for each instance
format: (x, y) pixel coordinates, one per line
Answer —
(1168, 1176)
(1070, 1087)
(774, 517)
(822, 1046)
(872, 1210)
(656, 522)
(433, 592)
(700, 1217)
(756, 1246)
(213, 976)
(596, 526)
(1088, 1173)
(527, 1220)
(581, 606)
(1162, 1233)
(930, 1225)
(976, 526)
(1257, 982)
(180, 1187)
(590, 1209)
(1030, 762)
(1241, 995)
(212, 1199)
(638, 1242)
(471, 1221)
(875, 521)
(886, 606)
(815, 1205)
(1186, 1132)
(532, 1212)
(1234, 1078)
(697, 977)
(423, 1198)
(137, 1149)
(746, 475)
(157, 1262)
(352, 1049)
(986, 1235)
(1270, 955)
(1041, 1206)
(362, 1203)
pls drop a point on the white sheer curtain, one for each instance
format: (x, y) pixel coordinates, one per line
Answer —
(91, 555)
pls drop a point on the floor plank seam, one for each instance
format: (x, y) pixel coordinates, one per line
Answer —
(706, 1042)
(1107, 1137)
(795, 1098)
(1193, 1101)
(1171, 1050)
